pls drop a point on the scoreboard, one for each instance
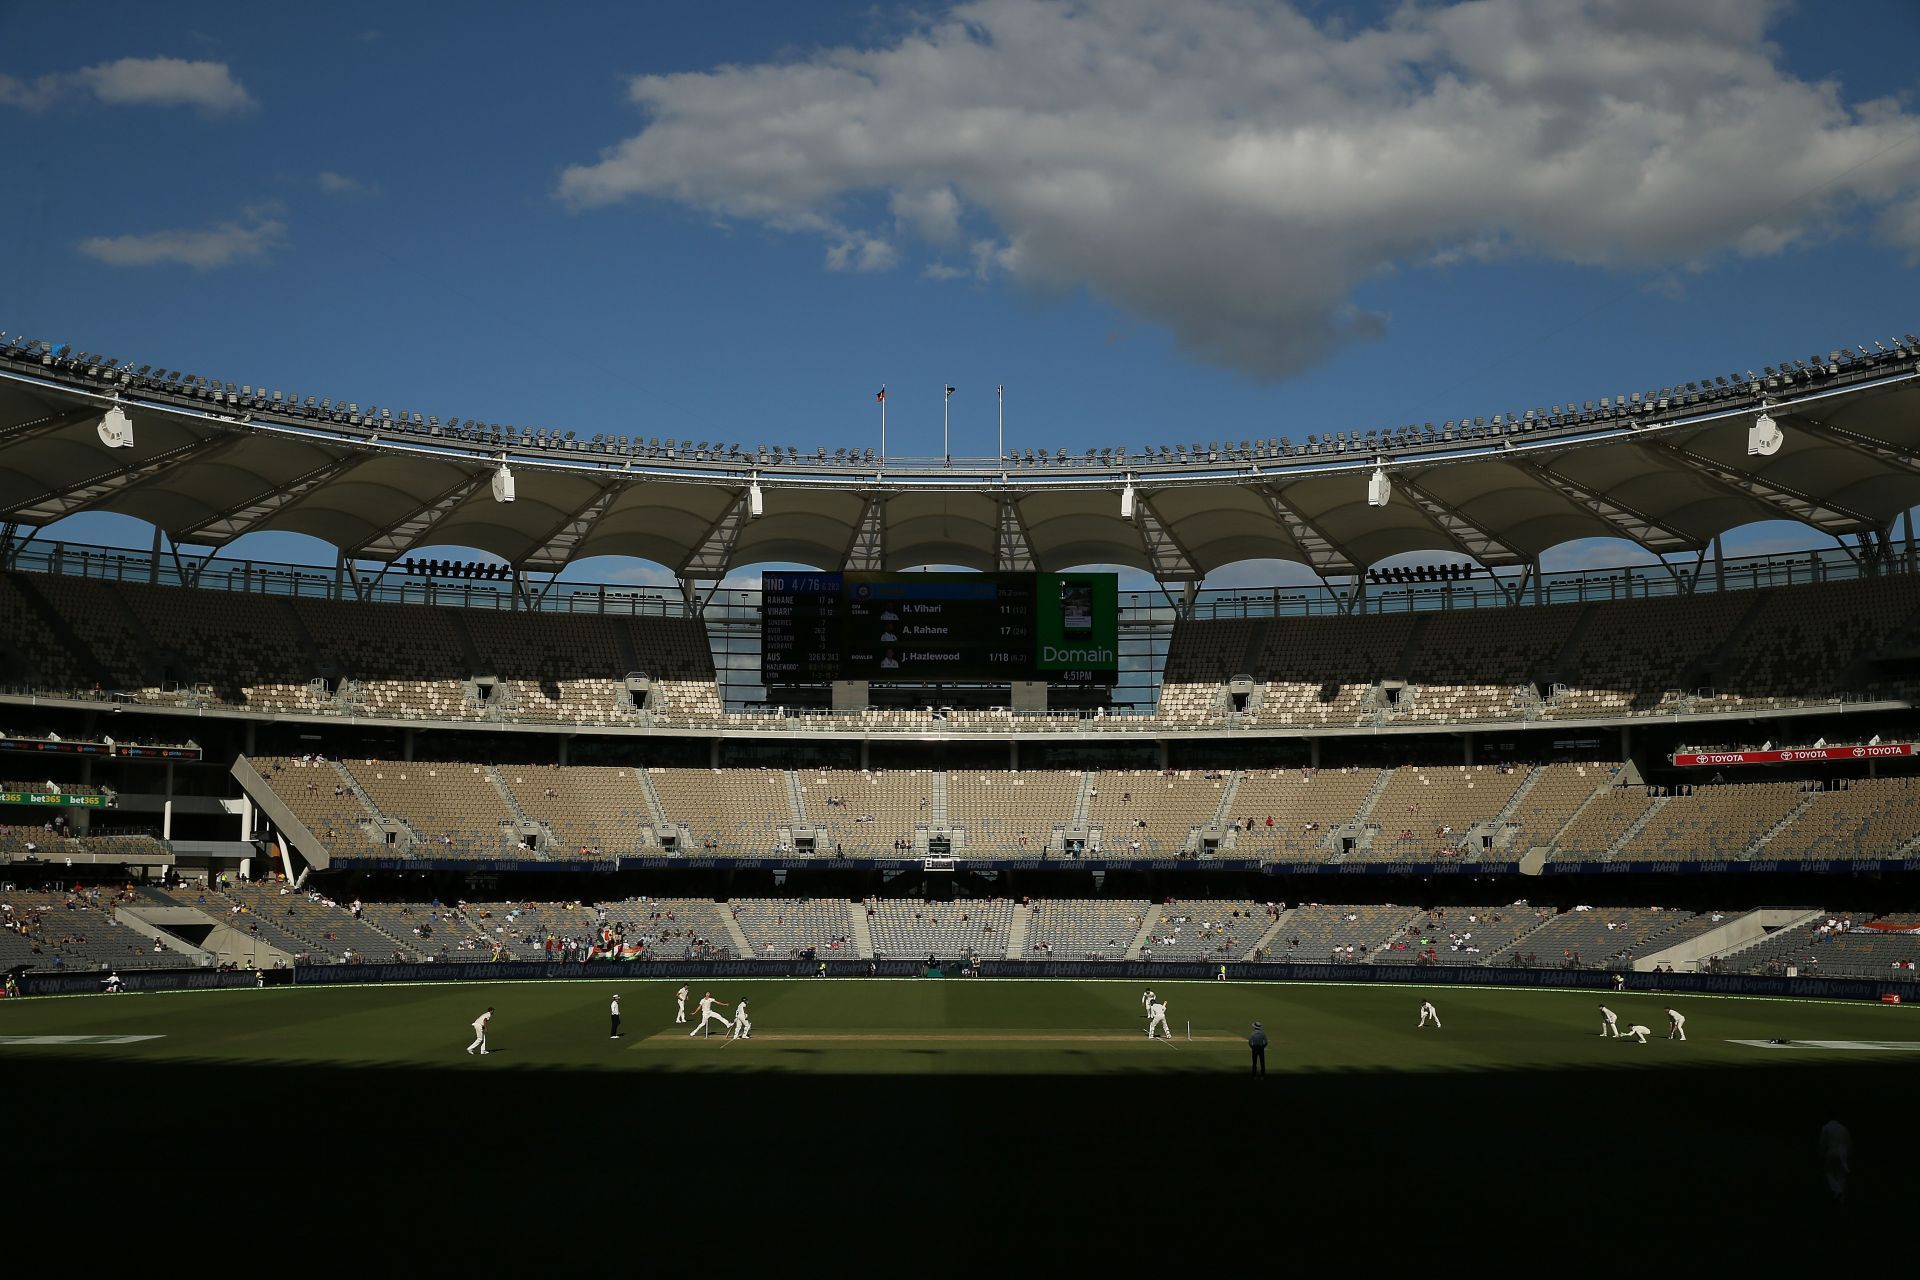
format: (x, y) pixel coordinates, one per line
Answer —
(917, 628)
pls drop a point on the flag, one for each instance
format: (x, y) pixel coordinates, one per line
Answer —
(950, 390)
(882, 397)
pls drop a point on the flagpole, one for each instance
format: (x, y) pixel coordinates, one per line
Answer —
(946, 452)
(883, 422)
(1002, 392)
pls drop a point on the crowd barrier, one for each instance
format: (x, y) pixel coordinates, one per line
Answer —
(1807, 987)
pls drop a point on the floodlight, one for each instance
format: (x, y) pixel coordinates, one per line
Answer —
(503, 484)
(1764, 437)
(1126, 502)
(756, 502)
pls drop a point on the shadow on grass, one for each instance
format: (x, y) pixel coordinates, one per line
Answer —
(1723, 1151)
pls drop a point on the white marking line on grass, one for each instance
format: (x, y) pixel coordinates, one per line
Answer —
(1891, 1046)
(14, 1040)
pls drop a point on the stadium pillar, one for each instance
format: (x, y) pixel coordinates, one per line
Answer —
(864, 744)
(1013, 755)
(1719, 565)
(564, 740)
(153, 560)
(713, 753)
(406, 745)
(1626, 742)
(1313, 752)
(1466, 748)
(1160, 750)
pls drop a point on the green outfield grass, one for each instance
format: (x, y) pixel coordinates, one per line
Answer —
(949, 1026)
(953, 1125)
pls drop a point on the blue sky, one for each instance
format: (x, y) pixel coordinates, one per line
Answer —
(1149, 222)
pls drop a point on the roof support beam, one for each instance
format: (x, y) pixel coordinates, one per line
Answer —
(24, 431)
(57, 504)
(1325, 556)
(1471, 538)
(1014, 550)
(867, 550)
(413, 530)
(245, 517)
(559, 545)
(1856, 443)
(1821, 513)
(1638, 525)
(1169, 559)
(712, 557)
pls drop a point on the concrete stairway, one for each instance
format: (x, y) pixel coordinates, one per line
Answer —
(1017, 932)
(857, 930)
(741, 947)
(937, 804)
(1634, 827)
(1144, 933)
(1266, 939)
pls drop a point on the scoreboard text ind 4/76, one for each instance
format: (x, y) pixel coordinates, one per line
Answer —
(939, 627)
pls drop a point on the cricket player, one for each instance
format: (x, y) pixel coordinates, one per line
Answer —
(1676, 1025)
(1609, 1023)
(480, 1025)
(1428, 1013)
(1638, 1032)
(681, 996)
(709, 1013)
(742, 1025)
(1146, 1002)
(1157, 1017)
(614, 1031)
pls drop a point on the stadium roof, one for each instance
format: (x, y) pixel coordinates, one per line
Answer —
(1667, 468)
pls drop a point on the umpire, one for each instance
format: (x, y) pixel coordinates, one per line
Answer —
(1258, 1043)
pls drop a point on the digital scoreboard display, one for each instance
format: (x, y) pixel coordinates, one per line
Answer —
(931, 628)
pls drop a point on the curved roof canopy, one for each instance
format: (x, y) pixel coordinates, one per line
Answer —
(1668, 469)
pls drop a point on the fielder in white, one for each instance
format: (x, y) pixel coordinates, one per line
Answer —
(1676, 1025)
(480, 1025)
(681, 996)
(1157, 1017)
(742, 1025)
(710, 1014)
(1609, 1023)
(1638, 1032)
(1428, 1014)
(1146, 1002)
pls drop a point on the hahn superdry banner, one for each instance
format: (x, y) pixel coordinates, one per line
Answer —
(1794, 755)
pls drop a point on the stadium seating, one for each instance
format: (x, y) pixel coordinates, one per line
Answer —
(1208, 930)
(453, 807)
(742, 809)
(592, 811)
(1460, 935)
(1778, 647)
(1317, 934)
(53, 929)
(1154, 811)
(866, 812)
(907, 929)
(777, 929)
(1009, 814)
(1083, 929)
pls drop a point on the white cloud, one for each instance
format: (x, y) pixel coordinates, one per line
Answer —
(862, 253)
(217, 246)
(140, 82)
(339, 184)
(1233, 171)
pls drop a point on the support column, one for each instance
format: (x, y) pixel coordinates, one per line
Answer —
(1160, 752)
(565, 739)
(247, 737)
(1626, 742)
(1013, 755)
(153, 560)
(406, 745)
(713, 753)
(1313, 752)
(1719, 565)
(1466, 748)
(864, 744)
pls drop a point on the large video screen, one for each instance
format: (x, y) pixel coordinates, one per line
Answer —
(920, 628)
